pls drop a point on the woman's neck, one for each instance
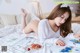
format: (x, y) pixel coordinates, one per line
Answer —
(53, 25)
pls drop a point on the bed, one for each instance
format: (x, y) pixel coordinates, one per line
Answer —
(15, 41)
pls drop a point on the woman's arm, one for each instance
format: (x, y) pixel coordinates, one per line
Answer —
(42, 28)
(73, 36)
(77, 36)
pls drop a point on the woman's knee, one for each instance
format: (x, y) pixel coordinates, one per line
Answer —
(27, 29)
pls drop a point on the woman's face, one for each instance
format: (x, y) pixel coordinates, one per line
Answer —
(60, 20)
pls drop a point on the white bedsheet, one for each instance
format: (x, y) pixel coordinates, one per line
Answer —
(16, 41)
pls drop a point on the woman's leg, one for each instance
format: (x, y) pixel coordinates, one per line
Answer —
(24, 14)
(31, 27)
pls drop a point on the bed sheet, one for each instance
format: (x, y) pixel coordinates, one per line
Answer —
(72, 46)
(17, 41)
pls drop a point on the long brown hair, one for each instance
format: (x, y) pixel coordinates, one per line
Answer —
(57, 12)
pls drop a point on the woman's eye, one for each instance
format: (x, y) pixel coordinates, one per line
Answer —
(62, 17)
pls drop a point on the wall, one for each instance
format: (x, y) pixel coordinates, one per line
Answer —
(47, 5)
(14, 6)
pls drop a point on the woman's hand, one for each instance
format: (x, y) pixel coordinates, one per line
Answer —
(60, 43)
(77, 35)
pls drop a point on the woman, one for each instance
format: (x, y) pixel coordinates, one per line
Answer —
(57, 24)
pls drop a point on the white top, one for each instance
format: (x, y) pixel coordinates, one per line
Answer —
(45, 32)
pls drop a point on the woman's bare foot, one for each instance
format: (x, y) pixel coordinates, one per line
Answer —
(24, 13)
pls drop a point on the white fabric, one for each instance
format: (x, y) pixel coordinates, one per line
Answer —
(70, 36)
(76, 28)
(16, 41)
(46, 33)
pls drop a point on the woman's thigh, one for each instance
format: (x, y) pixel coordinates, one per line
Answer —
(32, 26)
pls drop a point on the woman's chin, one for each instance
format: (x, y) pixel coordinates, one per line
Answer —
(58, 26)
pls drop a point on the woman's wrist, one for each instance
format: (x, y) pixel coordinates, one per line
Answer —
(77, 36)
(55, 41)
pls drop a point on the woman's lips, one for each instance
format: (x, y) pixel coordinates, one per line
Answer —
(58, 26)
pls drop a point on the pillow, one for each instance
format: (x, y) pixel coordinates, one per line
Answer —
(18, 18)
(1, 26)
(1, 23)
(76, 27)
(8, 19)
(0, 20)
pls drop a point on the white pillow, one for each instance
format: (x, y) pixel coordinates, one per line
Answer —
(0, 20)
(8, 19)
(76, 27)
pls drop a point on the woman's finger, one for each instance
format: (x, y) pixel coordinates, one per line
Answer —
(62, 43)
